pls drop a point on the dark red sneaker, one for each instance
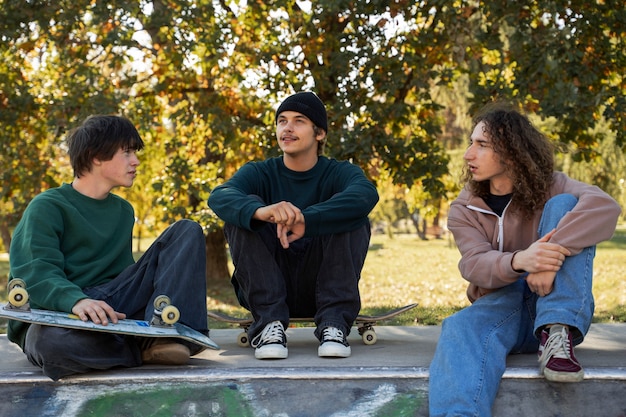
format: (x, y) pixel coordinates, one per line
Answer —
(556, 356)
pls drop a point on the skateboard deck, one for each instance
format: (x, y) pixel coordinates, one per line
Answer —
(365, 324)
(164, 324)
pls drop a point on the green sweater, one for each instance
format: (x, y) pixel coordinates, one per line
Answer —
(334, 196)
(66, 242)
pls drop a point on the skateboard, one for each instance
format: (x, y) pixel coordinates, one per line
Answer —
(365, 324)
(164, 322)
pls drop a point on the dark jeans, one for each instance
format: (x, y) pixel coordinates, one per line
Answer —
(174, 266)
(315, 277)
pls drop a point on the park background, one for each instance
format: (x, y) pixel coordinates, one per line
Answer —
(400, 79)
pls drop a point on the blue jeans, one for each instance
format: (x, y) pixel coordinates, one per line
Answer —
(471, 353)
(315, 277)
(175, 265)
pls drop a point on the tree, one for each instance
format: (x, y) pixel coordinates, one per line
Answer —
(224, 110)
(559, 59)
(202, 79)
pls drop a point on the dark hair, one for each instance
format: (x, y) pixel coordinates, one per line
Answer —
(527, 155)
(100, 137)
(321, 144)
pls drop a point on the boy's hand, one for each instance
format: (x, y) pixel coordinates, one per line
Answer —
(287, 234)
(288, 218)
(282, 212)
(541, 256)
(542, 260)
(541, 283)
(97, 311)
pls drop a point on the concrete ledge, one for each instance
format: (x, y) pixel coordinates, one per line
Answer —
(401, 352)
(386, 379)
(148, 374)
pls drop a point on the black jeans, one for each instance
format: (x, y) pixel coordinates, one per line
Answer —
(175, 265)
(315, 277)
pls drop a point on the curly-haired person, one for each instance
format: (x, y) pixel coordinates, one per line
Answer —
(527, 237)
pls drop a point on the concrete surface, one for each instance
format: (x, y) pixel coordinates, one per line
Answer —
(389, 378)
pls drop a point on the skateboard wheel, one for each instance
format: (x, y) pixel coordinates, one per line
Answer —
(243, 340)
(170, 314)
(161, 301)
(18, 296)
(16, 282)
(369, 337)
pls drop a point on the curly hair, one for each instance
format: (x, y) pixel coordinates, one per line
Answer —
(527, 155)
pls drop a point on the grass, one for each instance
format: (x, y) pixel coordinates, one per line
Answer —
(406, 270)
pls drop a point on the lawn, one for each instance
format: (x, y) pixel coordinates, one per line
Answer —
(407, 270)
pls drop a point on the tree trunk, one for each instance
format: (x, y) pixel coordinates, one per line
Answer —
(216, 257)
(436, 228)
(138, 239)
(421, 231)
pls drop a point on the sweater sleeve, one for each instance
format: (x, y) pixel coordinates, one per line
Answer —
(591, 221)
(37, 258)
(234, 201)
(347, 208)
(334, 196)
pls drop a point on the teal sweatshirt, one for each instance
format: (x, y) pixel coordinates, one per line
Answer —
(334, 196)
(66, 242)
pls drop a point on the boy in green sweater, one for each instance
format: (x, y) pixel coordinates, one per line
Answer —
(73, 249)
(298, 233)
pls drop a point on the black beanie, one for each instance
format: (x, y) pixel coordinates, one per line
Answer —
(308, 104)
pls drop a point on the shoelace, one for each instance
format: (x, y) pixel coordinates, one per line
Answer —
(333, 334)
(557, 346)
(272, 333)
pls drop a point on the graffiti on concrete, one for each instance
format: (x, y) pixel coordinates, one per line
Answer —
(264, 398)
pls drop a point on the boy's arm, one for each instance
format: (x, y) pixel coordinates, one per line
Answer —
(592, 220)
(232, 201)
(355, 198)
(37, 258)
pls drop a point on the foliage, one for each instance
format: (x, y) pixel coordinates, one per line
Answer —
(560, 59)
(201, 79)
(606, 169)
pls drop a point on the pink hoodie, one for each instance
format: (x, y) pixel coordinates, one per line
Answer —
(487, 242)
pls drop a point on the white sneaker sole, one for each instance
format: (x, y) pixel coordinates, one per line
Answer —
(271, 352)
(563, 376)
(333, 350)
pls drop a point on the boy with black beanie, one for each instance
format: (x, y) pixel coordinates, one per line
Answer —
(298, 233)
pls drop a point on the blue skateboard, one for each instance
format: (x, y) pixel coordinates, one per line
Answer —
(163, 324)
